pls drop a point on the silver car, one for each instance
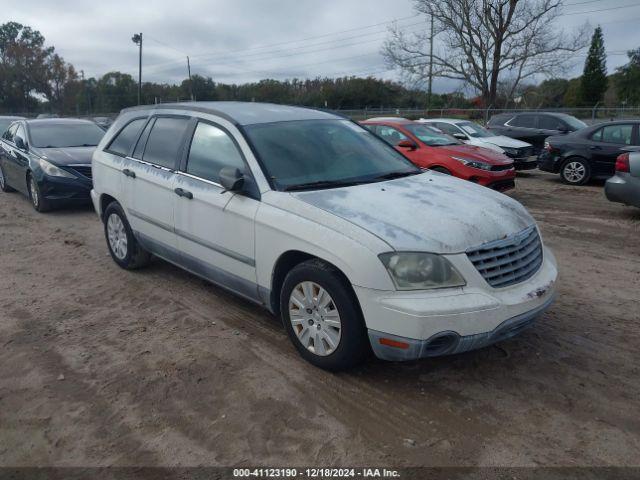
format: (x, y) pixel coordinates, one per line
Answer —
(624, 186)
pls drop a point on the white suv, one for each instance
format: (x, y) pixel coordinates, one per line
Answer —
(324, 224)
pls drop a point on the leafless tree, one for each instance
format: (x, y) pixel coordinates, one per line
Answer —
(486, 43)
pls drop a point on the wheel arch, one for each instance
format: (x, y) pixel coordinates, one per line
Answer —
(285, 263)
(105, 201)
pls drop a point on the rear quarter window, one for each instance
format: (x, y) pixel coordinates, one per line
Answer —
(123, 141)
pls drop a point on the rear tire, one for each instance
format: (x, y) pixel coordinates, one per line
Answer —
(123, 246)
(39, 203)
(3, 182)
(322, 317)
(575, 171)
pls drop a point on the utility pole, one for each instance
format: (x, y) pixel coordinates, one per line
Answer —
(431, 35)
(137, 39)
(190, 83)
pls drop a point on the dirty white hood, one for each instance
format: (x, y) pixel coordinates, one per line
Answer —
(430, 212)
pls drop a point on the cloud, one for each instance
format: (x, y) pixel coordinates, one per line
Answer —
(245, 40)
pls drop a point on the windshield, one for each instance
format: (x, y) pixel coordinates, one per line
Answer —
(573, 122)
(59, 135)
(324, 154)
(430, 136)
(475, 130)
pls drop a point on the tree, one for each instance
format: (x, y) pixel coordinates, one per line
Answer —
(628, 79)
(594, 78)
(23, 66)
(486, 43)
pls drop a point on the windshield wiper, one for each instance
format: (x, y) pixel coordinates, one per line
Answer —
(320, 184)
(83, 145)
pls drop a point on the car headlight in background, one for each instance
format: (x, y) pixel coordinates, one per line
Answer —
(420, 271)
(53, 171)
(473, 163)
(510, 151)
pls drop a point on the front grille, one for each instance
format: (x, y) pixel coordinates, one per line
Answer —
(84, 170)
(500, 168)
(508, 261)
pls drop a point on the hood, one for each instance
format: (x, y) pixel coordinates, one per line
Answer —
(67, 155)
(430, 212)
(477, 153)
(503, 141)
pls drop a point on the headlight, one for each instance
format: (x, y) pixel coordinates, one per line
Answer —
(53, 171)
(420, 271)
(510, 151)
(473, 163)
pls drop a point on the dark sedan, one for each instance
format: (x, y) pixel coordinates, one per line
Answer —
(49, 160)
(534, 127)
(590, 152)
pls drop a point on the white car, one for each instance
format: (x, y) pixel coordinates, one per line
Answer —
(324, 224)
(471, 133)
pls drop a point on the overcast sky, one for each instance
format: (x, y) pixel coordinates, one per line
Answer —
(245, 40)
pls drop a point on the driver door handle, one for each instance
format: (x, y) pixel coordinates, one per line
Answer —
(184, 193)
(129, 173)
(595, 147)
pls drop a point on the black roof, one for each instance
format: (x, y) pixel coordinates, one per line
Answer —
(246, 113)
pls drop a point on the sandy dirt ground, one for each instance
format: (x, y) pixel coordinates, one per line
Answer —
(102, 367)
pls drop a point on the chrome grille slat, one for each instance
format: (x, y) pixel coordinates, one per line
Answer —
(494, 252)
(512, 257)
(508, 261)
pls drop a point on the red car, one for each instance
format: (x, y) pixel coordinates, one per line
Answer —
(431, 149)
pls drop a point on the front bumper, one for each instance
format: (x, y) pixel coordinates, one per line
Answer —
(446, 321)
(64, 190)
(623, 188)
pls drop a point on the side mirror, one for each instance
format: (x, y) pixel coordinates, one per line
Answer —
(563, 130)
(19, 141)
(407, 144)
(460, 136)
(231, 179)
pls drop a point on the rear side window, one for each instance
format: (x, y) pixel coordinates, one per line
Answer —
(447, 128)
(525, 121)
(212, 149)
(619, 134)
(123, 141)
(165, 141)
(551, 123)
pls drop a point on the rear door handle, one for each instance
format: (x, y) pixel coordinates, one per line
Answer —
(595, 147)
(129, 173)
(184, 193)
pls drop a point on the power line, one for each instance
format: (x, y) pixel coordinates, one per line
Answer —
(600, 10)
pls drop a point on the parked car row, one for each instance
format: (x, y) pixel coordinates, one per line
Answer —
(338, 230)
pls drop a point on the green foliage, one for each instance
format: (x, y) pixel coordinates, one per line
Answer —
(594, 78)
(627, 79)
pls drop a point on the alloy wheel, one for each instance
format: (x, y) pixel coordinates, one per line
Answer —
(315, 318)
(574, 172)
(117, 236)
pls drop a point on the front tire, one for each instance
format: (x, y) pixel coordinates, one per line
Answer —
(575, 171)
(322, 317)
(123, 246)
(39, 203)
(3, 182)
(441, 170)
